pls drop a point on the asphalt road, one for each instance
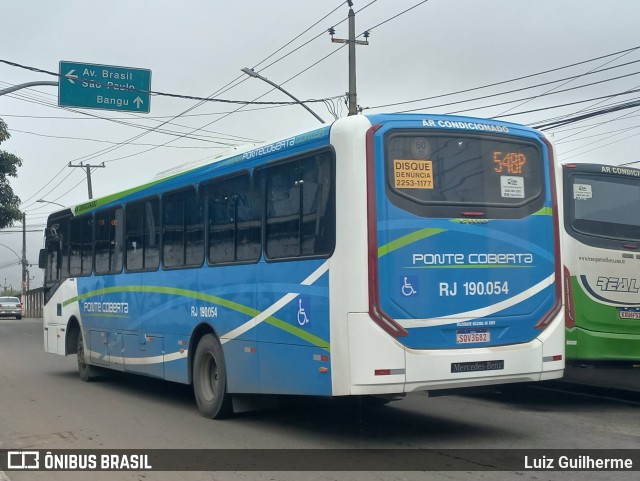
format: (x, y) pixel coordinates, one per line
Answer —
(43, 405)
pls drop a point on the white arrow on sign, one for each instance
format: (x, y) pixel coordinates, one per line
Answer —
(71, 77)
(138, 101)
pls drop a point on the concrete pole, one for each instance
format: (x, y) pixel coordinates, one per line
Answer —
(353, 97)
(24, 256)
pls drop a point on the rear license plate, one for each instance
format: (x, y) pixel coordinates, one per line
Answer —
(470, 336)
(628, 313)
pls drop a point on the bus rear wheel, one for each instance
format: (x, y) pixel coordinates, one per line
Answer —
(210, 379)
(87, 372)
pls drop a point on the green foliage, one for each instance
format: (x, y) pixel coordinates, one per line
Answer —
(9, 202)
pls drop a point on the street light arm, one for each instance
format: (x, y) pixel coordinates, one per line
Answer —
(17, 255)
(42, 201)
(254, 74)
(25, 86)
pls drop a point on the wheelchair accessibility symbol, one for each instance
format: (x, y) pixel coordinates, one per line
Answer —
(409, 285)
(303, 311)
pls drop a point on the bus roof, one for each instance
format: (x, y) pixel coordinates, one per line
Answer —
(253, 152)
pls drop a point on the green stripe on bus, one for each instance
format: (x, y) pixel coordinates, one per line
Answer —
(408, 239)
(271, 320)
(94, 204)
(544, 211)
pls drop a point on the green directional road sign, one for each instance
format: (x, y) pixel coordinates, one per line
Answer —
(105, 87)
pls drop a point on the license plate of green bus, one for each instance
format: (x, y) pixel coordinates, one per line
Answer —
(628, 313)
(473, 336)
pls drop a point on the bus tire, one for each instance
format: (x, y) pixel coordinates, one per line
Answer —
(210, 379)
(87, 372)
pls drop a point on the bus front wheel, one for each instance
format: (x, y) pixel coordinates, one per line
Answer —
(210, 379)
(87, 372)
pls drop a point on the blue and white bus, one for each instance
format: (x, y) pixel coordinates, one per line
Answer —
(381, 255)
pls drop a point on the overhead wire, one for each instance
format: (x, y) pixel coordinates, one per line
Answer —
(340, 4)
(209, 98)
(595, 69)
(173, 118)
(591, 136)
(495, 84)
(84, 139)
(577, 127)
(606, 145)
(586, 110)
(550, 125)
(517, 100)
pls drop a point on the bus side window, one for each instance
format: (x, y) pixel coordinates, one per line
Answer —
(81, 246)
(151, 234)
(109, 234)
(182, 229)
(300, 214)
(142, 235)
(234, 222)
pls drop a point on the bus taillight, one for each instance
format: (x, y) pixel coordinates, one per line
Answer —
(569, 308)
(548, 318)
(377, 314)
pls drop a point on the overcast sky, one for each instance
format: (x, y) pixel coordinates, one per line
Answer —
(197, 48)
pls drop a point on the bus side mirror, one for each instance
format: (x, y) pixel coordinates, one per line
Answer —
(42, 258)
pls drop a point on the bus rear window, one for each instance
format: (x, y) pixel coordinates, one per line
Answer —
(447, 175)
(605, 207)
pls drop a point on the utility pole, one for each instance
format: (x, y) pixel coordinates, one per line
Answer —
(352, 42)
(24, 256)
(88, 169)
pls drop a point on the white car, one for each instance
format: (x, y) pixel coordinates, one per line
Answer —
(10, 306)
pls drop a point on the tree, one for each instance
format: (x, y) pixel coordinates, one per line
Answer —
(9, 202)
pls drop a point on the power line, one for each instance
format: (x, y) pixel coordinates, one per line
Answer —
(606, 145)
(601, 140)
(397, 15)
(135, 138)
(172, 95)
(557, 106)
(596, 69)
(517, 100)
(195, 130)
(64, 137)
(91, 116)
(296, 38)
(202, 101)
(631, 163)
(568, 129)
(20, 231)
(586, 110)
(495, 84)
(580, 139)
(603, 111)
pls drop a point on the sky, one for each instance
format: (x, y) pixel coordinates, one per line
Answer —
(417, 50)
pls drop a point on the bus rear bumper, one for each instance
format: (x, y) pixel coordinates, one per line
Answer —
(584, 345)
(381, 364)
